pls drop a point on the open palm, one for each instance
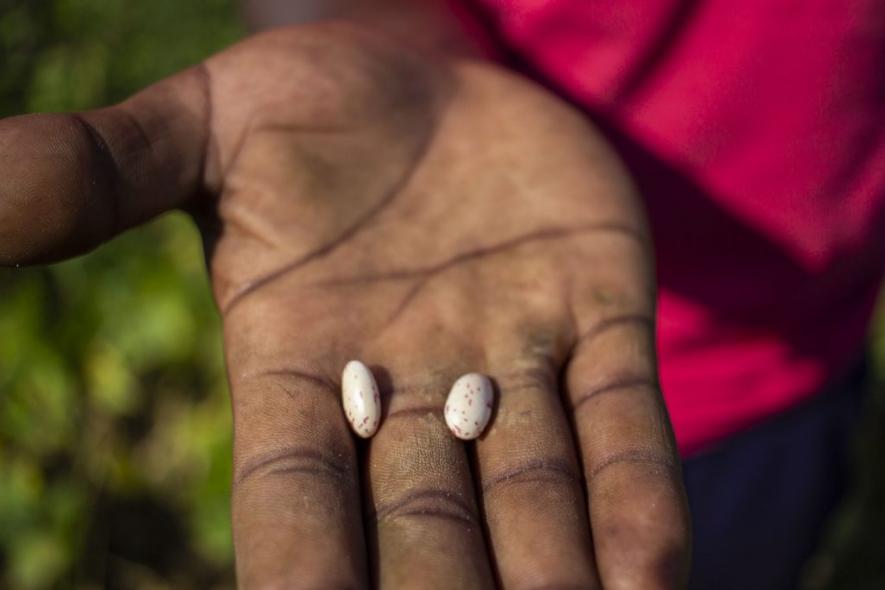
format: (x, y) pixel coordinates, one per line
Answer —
(359, 201)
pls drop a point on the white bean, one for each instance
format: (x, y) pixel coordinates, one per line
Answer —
(359, 396)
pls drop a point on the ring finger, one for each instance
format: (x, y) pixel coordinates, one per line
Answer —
(531, 485)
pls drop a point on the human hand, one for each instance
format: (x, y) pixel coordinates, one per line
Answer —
(429, 219)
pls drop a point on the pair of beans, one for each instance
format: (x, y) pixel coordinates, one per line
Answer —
(467, 411)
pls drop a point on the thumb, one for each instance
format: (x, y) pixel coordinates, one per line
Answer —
(69, 182)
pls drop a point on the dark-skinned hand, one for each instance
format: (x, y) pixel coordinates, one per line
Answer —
(430, 218)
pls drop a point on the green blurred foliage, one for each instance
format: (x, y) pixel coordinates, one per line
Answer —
(115, 427)
(114, 419)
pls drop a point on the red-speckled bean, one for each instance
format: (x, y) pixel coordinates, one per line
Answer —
(469, 405)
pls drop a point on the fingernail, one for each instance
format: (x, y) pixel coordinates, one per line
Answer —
(469, 405)
(359, 396)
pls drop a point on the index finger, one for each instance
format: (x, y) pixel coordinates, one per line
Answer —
(297, 514)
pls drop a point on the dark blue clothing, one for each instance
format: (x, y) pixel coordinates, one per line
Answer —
(760, 501)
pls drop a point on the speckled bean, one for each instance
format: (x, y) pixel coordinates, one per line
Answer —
(359, 396)
(469, 405)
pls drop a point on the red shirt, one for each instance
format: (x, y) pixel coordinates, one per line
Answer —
(756, 133)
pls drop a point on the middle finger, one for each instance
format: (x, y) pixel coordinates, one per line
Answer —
(427, 532)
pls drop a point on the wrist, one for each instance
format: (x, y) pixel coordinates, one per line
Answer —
(439, 27)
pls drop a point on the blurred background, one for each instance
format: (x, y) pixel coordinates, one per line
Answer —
(114, 419)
